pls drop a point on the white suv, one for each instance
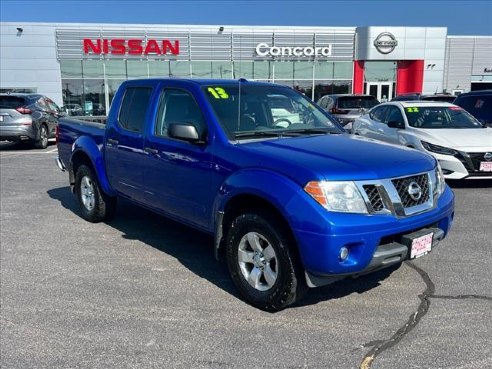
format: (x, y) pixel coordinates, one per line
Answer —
(460, 143)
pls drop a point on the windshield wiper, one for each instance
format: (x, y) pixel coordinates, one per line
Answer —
(258, 134)
(309, 131)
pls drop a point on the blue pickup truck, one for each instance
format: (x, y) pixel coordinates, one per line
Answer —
(292, 201)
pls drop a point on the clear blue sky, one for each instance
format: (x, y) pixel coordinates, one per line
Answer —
(461, 17)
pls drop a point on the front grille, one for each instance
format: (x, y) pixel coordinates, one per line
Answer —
(476, 158)
(374, 197)
(402, 186)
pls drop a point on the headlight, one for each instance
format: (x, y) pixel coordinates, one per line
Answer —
(438, 149)
(337, 196)
(440, 183)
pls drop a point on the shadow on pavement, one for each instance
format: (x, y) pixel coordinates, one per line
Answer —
(23, 146)
(194, 249)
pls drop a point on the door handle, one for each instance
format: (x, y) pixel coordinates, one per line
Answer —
(151, 150)
(112, 141)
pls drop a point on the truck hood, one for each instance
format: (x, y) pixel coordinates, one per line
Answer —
(469, 140)
(336, 157)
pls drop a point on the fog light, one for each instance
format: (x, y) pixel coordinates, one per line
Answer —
(343, 255)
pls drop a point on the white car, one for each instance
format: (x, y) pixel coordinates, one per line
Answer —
(453, 136)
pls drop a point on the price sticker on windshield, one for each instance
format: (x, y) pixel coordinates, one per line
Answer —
(218, 92)
(413, 110)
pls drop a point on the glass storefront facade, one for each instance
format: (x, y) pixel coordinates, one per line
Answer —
(89, 85)
(94, 62)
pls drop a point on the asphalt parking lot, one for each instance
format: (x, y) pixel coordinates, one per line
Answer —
(144, 292)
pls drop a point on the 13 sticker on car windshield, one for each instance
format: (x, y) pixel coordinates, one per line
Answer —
(412, 110)
(218, 92)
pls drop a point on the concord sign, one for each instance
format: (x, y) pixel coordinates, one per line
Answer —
(263, 49)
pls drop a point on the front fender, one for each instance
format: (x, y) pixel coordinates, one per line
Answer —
(278, 190)
(88, 146)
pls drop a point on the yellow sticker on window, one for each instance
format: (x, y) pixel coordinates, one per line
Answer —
(413, 110)
(218, 92)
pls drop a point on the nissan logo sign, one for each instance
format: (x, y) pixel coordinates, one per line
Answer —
(488, 156)
(414, 191)
(385, 43)
(263, 49)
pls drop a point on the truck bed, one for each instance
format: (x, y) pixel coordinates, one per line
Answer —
(69, 130)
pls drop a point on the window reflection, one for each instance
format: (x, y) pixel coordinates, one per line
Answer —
(86, 83)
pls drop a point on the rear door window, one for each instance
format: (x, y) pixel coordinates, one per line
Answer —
(134, 108)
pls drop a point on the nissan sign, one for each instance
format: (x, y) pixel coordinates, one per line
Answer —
(130, 47)
(385, 43)
(263, 49)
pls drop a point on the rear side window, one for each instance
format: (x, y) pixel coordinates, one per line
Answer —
(134, 108)
(11, 102)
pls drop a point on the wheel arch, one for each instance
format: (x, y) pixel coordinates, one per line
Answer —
(252, 203)
(85, 151)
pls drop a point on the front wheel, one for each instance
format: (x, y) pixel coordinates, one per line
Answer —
(261, 263)
(95, 205)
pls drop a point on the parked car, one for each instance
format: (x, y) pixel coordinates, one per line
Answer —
(346, 107)
(98, 109)
(284, 113)
(289, 207)
(455, 138)
(478, 104)
(434, 97)
(73, 109)
(28, 118)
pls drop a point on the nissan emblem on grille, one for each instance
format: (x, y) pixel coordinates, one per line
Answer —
(414, 191)
(488, 156)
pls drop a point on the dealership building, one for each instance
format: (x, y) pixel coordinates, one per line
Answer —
(81, 65)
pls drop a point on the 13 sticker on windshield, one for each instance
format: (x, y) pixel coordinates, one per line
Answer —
(218, 92)
(412, 110)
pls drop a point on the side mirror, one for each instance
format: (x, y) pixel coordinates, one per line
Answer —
(396, 124)
(184, 131)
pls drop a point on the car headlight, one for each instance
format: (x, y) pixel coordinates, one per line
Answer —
(438, 149)
(341, 197)
(440, 183)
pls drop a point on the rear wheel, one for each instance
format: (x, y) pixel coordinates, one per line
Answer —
(94, 204)
(261, 262)
(42, 141)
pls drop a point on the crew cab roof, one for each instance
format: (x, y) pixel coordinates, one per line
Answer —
(204, 82)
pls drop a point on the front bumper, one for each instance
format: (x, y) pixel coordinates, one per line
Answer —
(373, 241)
(462, 166)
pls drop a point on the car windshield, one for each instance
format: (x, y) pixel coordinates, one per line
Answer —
(435, 117)
(262, 111)
(357, 102)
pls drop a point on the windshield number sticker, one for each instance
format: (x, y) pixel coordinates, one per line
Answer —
(218, 92)
(412, 110)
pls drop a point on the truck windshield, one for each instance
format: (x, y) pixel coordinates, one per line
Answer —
(263, 111)
(435, 117)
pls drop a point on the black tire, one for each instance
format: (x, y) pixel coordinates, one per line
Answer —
(42, 140)
(288, 286)
(95, 205)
